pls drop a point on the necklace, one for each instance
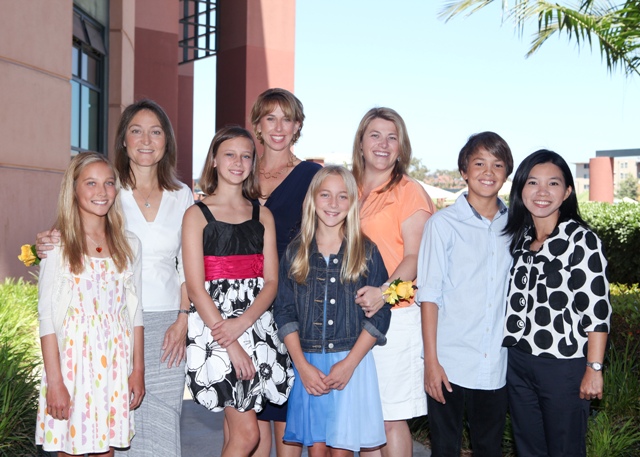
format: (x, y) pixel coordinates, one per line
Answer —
(146, 200)
(275, 174)
(98, 245)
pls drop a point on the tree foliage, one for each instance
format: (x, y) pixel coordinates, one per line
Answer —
(615, 26)
(628, 188)
(417, 170)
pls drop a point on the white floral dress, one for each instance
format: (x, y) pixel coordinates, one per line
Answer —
(94, 359)
(233, 271)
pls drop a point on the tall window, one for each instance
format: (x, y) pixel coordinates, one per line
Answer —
(87, 85)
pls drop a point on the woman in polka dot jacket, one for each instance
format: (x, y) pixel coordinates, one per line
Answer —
(558, 311)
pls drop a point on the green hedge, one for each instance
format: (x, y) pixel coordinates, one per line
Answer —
(618, 226)
(19, 367)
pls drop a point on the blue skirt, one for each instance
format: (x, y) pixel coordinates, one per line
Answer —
(345, 419)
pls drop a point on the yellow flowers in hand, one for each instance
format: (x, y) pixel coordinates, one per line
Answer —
(399, 290)
(28, 255)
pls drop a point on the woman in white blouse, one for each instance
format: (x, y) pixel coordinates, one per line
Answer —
(154, 202)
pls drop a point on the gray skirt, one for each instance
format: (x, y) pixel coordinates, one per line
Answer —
(158, 417)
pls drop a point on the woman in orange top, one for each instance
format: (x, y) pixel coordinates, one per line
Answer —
(393, 210)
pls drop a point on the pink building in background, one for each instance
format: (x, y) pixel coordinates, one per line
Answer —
(68, 69)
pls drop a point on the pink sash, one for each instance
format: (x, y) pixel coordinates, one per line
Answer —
(233, 266)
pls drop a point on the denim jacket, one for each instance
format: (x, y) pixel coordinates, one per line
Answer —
(323, 310)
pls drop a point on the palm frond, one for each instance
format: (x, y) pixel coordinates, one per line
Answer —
(616, 28)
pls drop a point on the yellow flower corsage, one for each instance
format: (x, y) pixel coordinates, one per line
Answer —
(398, 290)
(28, 255)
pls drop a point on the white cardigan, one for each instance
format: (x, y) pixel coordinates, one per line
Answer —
(55, 292)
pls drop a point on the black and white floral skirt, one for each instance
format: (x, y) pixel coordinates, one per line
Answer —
(211, 377)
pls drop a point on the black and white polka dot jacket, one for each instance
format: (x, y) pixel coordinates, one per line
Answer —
(558, 294)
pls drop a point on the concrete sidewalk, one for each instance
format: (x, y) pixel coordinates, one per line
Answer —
(201, 433)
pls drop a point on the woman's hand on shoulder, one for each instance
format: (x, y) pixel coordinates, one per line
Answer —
(370, 299)
(45, 241)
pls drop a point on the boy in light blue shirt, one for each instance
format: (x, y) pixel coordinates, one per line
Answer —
(463, 265)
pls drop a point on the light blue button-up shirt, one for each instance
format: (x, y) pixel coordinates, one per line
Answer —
(463, 266)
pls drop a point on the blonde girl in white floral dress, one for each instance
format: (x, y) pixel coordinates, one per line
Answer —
(90, 321)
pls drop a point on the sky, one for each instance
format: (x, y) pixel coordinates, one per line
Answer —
(447, 80)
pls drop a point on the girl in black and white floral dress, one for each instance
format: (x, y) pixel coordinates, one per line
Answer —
(558, 311)
(235, 361)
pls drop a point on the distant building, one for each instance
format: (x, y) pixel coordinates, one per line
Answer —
(613, 167)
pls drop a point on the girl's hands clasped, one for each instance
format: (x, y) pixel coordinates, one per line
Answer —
(227, 331)
(339, 375)
(313, 380)
(241, 361)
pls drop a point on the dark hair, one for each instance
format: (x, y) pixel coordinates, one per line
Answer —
(519, 216)
(209, 178)
(167, 176)
(493, 143)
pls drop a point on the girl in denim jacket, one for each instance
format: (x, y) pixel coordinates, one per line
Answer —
(334, 403)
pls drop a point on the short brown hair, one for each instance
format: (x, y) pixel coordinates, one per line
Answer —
(269, 100)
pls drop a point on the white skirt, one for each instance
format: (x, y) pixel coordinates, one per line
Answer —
(401, 367)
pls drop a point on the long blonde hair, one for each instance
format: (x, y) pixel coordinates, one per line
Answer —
(69, 222)
(354, 263)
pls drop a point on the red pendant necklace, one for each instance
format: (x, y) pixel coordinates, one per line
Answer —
(98, 245)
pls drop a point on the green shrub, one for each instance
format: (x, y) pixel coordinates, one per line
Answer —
(612, 437)
(618, 226)
(19, 363)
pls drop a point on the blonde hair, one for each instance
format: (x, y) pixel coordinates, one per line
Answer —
(268, 101)
(404, 157)
(354, 264)
(209, 179)
(69, 221)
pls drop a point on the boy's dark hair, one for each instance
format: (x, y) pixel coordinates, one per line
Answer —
(492, 143)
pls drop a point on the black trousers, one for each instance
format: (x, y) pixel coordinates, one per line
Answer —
(486, 412)
(547, 414)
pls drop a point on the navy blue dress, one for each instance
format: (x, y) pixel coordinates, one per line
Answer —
(285, 203)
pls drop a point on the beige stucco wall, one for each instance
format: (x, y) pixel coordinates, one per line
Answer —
(35, 111)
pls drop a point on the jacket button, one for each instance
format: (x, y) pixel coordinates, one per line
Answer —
(332, 301)
(520, 324)
(332, 279)
(330, 322)
(330, 345)
(335, 260)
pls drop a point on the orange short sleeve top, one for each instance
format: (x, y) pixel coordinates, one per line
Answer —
(382, 215)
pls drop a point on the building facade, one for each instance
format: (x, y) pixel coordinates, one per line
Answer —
(69, 67)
